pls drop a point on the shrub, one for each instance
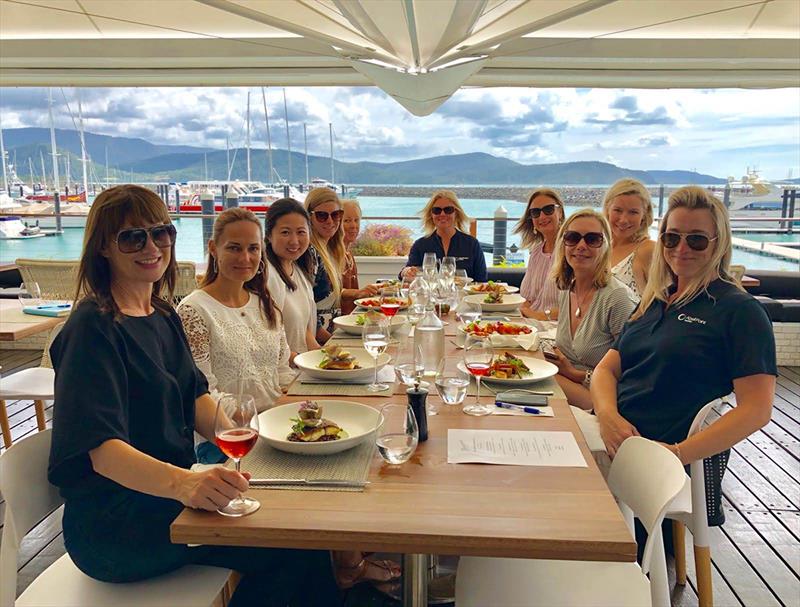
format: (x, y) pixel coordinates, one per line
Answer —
(381, 239)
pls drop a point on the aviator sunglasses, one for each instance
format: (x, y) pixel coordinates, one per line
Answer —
(592, 239)
(547, 209)
(135, 239)
(323, 215)
(445, 210)
(696, 242)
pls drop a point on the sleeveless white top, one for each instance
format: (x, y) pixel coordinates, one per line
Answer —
(623, 272)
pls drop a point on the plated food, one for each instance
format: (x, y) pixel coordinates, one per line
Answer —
(310, 427)
(374, 303)
(508, 366)
(509, 302)
(356, 422)
(491, 286)
(354, 323)
(363, 365)
(336, 357)
(518, 370)
(493, 297)
(482, 329)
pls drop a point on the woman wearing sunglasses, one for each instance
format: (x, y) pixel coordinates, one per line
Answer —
(129, 400)
(351, 223)
(695, 337)
(538, 228)
(445, 223)
(593, 305)
(235, 333)
(629, 211)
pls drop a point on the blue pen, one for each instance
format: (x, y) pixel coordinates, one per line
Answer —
(50, 306)
(531, 410)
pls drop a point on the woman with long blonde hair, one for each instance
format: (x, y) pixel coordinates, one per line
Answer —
(445, 224)
(593, 305)
(629, 211)
(695, 337)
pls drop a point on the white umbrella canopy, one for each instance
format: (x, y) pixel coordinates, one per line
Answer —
(418, 51)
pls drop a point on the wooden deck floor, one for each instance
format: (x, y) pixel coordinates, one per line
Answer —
(756, 554)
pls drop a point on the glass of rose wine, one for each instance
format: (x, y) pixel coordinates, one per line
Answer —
(236, 433)
(478, 355)
(390, 300)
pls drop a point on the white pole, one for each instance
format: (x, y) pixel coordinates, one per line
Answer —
(30, 170)
(305, 140)
(106, 166)
(288, 140)
(56, 183)
(5, 168)
(269, 138)
(84, 158)
(248, 136)
(205, 166)
(330, 134)
(44, 172)
(228, 156)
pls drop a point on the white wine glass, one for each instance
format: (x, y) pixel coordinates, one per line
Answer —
(236, 433)
(375, 336)
(397, 433)
(478, 356)
(447, 269)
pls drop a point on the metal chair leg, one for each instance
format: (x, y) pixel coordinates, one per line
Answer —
(702, 563)
(41, 423)
(679, 547)
(4, 426)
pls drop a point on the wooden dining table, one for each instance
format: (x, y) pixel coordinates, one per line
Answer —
(428, 506)
(15, 324)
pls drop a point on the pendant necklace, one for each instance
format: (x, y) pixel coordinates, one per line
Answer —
(581, 302)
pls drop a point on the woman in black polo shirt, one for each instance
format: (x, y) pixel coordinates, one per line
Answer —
(695, 337)
(445, 223)
(129, 398)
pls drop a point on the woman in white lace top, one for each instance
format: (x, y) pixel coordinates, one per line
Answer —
(629, 211)
(235, 333)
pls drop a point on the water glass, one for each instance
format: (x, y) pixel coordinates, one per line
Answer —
(452, 389)
(397, 433)
(30, 294)
(409, 367)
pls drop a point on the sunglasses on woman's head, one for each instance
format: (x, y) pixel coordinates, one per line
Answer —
(592, 239)
(323, 215)
(445, 210)
(134, 239)
(547, 209)
(696, 242)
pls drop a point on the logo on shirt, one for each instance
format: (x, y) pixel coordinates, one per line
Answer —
(692, 320)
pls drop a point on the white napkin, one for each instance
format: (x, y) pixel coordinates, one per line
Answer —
(528, 341)
(543, 412)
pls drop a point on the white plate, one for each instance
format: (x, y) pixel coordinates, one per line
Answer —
(360, 303)
(309, 362)
(539, 370)
(349, 325)
(359, 421)
(498, 341)
(510, 302)
(508, 288)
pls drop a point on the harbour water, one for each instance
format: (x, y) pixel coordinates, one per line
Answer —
(190, 240)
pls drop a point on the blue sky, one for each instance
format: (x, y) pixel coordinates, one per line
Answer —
(719, 132)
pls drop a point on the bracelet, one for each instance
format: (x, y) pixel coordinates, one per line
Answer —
(547, 314)
(678, 451)
(588, 379)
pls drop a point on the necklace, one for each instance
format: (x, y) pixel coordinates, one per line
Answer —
(581, 301)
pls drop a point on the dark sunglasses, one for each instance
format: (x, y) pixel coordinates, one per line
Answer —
(135, 239)
(547, 209)
(323, 215)
(445, 210)
(696, 242)
(592, 239)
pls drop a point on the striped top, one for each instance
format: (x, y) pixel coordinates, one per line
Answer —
(608, 311)
(538, 289)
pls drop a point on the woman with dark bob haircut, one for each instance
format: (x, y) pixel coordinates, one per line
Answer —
(129, 398)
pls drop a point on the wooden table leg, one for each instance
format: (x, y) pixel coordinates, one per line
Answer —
(4, 426)
(415, 580)
(702, 563)
(38, 405)
(679, 546)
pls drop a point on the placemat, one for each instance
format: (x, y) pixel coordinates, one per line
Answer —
(385, 375)
(545, 385)
(352, 465)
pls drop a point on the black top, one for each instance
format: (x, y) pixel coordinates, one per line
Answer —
(465, 248)
(132, 379)
(677, 360)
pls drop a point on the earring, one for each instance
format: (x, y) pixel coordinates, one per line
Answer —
(261, 267)
(213, 264)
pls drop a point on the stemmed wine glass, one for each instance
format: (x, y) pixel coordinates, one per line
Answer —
(375, 336)
(429, 268)
(468, 312)
(236, 433)
(461, 278)
(390, 300)
(447, 268)
(478, 355)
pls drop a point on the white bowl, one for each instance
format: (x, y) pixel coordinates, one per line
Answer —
(361, 303)
(349, 325)
(508, 288)
(539, 370)
(501, 341)
(309, 362)
(359, 421)
(511, 302)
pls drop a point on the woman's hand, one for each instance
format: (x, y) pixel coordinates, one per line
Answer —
(614, 429)
(408, 273)
(368, 291)
(211, 489)
(565, 367)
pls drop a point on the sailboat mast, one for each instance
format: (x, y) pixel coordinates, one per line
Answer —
(3, 158)
(288, 140)
(106, 166)
(228, 156)
(330, 134)
(269, 137)
(30, 170)
(53, 151)
(83, 147)
(248, 136)
(44, 172)
(305, 141)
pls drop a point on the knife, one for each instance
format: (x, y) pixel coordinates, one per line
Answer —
(309, 482)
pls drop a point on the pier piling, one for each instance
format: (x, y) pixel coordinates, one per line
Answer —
(500, 235)
(231, 199)
(207, 208)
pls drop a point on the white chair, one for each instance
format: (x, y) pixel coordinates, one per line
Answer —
(690, 509)
(29, 498)
(645, 477)
(36, 384)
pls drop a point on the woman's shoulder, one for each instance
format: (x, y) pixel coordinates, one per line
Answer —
(198, 300)
(616, 291)
(88, 313)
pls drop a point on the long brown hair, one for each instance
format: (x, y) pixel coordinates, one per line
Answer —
(333, 252)
(110, 211)
(256, 285)
(525, 226)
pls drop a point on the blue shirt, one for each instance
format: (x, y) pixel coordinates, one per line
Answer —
(676, 360)
(465, 248)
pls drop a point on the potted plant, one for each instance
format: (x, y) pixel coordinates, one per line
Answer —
(381, 251)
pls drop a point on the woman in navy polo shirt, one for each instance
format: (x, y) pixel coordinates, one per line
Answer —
(695, 337)
(445, 222)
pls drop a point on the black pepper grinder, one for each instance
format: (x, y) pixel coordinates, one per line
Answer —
(416, 400)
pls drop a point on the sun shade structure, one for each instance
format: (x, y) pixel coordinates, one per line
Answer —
(419, 51)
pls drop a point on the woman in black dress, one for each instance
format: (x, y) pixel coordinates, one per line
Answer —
(129, 399)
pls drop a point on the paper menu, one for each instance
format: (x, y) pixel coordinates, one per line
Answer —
(514, 448)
